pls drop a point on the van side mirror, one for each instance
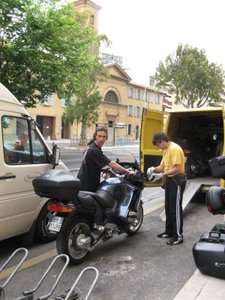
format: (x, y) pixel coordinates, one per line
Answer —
(55, 155)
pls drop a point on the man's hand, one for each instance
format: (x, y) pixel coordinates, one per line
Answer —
(130, 173)
(150, 172)
(156, 177)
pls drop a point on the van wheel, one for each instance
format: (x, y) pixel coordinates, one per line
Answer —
(42, 233)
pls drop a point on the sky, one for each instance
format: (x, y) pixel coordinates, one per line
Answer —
(144, 32)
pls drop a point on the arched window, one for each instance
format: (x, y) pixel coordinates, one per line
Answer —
(111, 97)
(129, 129)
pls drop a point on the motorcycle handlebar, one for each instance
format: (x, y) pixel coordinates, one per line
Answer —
(111, 171)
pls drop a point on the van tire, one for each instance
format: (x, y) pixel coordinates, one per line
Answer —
(42, 233)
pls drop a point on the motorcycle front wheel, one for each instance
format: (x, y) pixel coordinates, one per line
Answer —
(135, 225)
(74, 229)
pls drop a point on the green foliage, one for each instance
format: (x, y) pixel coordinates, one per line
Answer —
(85, 106)
(44, 49)
(191, 78)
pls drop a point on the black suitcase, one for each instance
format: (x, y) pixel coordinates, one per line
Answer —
(217, 166)
(219, 227)
(209, 252)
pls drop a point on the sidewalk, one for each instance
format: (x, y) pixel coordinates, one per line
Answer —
(202, 287)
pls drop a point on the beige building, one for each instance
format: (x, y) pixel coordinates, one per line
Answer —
(121, 109)
(122, 103)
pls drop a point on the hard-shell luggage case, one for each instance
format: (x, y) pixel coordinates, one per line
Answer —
(209, 253)
(219, 227)
(217, 166)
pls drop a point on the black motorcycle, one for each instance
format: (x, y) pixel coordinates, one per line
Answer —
(81, 219)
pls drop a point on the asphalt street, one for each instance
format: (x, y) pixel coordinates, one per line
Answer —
(72, 156)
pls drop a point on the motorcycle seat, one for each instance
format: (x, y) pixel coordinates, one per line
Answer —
(103, 198)
(86, 199)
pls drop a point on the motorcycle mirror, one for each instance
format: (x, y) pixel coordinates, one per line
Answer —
(55, 155)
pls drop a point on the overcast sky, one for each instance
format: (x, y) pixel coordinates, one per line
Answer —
(144, 32)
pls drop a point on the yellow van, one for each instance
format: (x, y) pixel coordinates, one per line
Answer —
(24, 155)
(200, 133)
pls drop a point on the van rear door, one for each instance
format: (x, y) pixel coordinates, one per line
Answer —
(150, 155)
(222, 181)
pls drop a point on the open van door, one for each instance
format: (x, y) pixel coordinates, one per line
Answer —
(222, 181)
(150, 155)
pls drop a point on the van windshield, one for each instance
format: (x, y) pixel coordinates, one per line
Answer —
(22, 144)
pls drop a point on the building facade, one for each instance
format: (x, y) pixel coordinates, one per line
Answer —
(121, 109)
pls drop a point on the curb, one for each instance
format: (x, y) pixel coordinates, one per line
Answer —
(202, 287)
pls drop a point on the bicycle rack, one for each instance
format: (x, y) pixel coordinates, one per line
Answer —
(2, 286)
(29, 295)
(77, 281)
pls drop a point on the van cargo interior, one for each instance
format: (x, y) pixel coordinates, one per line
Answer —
(201, 136)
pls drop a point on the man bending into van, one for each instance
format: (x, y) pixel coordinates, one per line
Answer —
(171, 169)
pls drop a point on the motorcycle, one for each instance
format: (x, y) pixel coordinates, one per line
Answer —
(82, 219)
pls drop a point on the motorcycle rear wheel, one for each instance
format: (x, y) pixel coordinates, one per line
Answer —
(134, 227)
(67, 240)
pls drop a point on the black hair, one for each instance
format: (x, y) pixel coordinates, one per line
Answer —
(160, 136)
(95, 133)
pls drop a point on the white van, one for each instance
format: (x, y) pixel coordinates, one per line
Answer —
(24, 155)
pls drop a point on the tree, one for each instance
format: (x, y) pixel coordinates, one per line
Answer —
(44, 49)
(191, 78)
(84, 108)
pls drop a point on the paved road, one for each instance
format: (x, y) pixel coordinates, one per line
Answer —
(72, 156)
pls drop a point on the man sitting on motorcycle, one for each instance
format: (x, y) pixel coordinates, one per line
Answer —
(94, 160)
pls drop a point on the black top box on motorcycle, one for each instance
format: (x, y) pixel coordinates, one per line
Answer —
(58, 184)
(209, 254)
(217, 166)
